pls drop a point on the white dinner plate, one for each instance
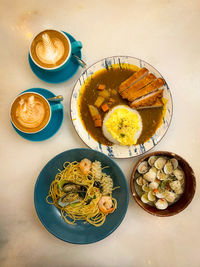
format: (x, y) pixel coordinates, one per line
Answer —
(118, 151)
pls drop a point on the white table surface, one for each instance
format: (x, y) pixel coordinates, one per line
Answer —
(164, 33)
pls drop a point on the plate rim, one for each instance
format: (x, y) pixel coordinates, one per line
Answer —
(85, 71)
(80, 242)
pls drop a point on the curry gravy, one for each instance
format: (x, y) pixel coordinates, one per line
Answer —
(112, 77)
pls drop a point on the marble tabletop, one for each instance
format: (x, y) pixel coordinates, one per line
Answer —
(164, 33)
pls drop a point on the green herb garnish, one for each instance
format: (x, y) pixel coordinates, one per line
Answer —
(88, 201)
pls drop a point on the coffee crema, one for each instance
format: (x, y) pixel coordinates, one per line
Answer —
(49, 49)
(30, 113)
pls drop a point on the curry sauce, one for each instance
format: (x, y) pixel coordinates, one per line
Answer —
(112, 78)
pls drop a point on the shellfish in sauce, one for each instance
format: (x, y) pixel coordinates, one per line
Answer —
(159, 181)
(152, 160)
(143, 167)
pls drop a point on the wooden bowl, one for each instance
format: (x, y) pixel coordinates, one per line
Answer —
(185, 199)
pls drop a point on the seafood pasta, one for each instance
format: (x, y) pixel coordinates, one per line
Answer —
(83, 192)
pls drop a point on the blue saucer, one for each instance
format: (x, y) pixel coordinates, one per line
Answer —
(54, 124)
(57, 76)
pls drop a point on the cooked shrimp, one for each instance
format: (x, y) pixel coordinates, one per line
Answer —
(85, 166)
(105, 204)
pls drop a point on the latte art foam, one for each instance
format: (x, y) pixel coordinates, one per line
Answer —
(30, 113)
(50, 50)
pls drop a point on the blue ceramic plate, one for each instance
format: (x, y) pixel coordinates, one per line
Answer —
(57, 76)
(54, 124)
(118, 151)
(82, 233)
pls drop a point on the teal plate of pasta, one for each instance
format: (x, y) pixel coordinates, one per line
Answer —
(81, 196)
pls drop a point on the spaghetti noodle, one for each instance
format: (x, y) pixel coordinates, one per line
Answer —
(79, 190)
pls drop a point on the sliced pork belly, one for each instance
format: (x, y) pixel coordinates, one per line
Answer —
(150, 100)
(156, 84)
(133, 79)
(137, 86)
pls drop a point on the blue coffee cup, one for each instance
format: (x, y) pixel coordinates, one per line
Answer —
(73, 47)
(32, 129)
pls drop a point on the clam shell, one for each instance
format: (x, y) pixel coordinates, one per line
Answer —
(153, 185)
(161, 175)
(179, 174)
(179, 191)
(160, 163)
(145, 181)
(168, 168)
(150, 176)
(176, 186)
(144, 198)
(170, 196)
(174, 163)
(161, 204)
(151, 196)
(145, 188)
(160, 194)
(152, 160)
(143, 167)
(182, 182)
(139, 180)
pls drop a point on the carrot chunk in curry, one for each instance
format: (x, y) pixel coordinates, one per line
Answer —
(101, 87)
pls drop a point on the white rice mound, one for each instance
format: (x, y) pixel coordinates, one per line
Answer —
(108, 134)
